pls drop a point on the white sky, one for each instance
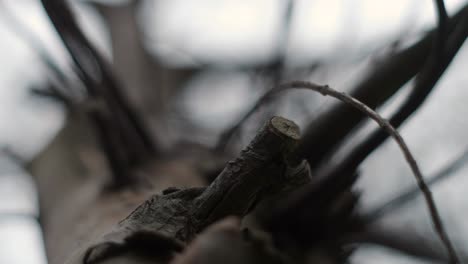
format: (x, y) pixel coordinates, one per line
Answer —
(244, 31)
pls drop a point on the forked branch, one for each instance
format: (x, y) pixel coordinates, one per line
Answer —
(124, 136)
(426, 80)
(329, 130)
(263, 167)
(327, 91)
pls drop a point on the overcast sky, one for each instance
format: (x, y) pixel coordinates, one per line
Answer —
(245, 31)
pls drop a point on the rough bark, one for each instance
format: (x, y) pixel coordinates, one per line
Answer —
(166, 209)
(168, 220)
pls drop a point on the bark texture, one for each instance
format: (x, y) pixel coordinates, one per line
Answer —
(165, 222)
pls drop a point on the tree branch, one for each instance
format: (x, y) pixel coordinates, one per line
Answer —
(134, 143)
(265, 165)
(424, 84)
(324, 134)
(384, 124)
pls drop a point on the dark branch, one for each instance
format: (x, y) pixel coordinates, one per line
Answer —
(262, 167)
(133, 144)
(238, 184)
(424, 84)
(442, 28)
(388, 128)
(330, 129)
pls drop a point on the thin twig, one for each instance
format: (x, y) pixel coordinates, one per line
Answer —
(424, 84)
(328, 131)
(389, 77)
(51, 91)
(408, 195)
(435, 217)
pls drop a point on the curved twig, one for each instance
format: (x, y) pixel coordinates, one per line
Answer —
(424, 84)
(326, 90)
(390, 76)
(322, 136)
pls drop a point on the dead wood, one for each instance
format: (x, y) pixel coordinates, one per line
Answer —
(176, 216)
(324, 134)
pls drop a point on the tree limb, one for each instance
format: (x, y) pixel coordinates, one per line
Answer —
(384, 124)
(263, 166)
(425, 82)
(133, 142)
(330, 129)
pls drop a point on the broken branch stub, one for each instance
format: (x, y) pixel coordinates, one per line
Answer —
(243, 181)
(263, 168)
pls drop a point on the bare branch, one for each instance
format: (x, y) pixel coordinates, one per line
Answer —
(384, 124)
(228, 189)
(132, 144)
(180, 214)
(331, 127)
(326, 133)
(52, 92)
(436, 220)
(425, 82)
